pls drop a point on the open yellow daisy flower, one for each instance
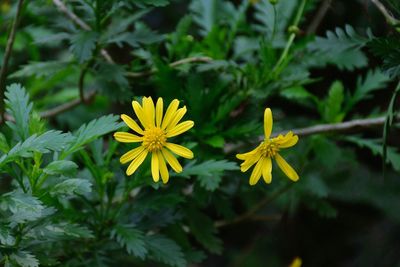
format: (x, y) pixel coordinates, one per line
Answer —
(154, 133)
(268, 149)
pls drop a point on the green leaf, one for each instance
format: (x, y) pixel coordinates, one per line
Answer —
(339, 41)
(24, 259)
(393, 156)
(388, 49)
(24, 207)
(130, 238)
(40, 69)
(83, 44)
(332, 106)
(209, 172)
(89, 132)
(6, 237)
(157, 3)
(44, 143)
(4, 147)
(18, 106)
(204, 231)
(374, 80)
(71, 186)
(216, 141)
(76, 231)
(165, 250)
(64, 167)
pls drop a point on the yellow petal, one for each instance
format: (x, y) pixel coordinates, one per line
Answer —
(180, 150)
(286, 168)
(131, 124)
(159, 111)
(250, 161)
(169, 113)
(289, 142)
(247, 154)
(127, 137)
(256, 174)
(266, 171)
(149, 110)
(155, 170)
(136, 163)
(180, 128)
(172, 161)
(163, 168)
(178, 116)
(140, 114)
(131, 154)
(267, 122)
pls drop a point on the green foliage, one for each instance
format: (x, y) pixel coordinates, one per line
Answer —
(65, 199)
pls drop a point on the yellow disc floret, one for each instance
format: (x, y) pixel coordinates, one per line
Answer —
(154, 139)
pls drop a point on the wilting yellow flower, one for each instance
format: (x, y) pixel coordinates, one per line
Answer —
(153, 136)
(268, 149)
(296, 262)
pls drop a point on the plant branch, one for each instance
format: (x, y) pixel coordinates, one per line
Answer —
(81, 83)
(6, 58)
(388, 16)
(342, 126)
(173, 64)
(74, 18)
(319, 16)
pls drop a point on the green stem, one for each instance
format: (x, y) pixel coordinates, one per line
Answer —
(278, 66)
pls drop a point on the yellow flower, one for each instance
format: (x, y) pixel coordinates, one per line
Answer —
(268, 149)
(154, 137)
(296, 262)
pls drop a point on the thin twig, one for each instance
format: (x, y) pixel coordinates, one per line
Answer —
(74, 18)
(250, 213)
(319, 16)
(173, 64)
(388, 16)
(343, 126)
(7, 54)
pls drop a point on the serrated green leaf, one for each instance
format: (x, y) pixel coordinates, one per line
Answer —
(71, 187)
(388, 49)
(18, 106)
(374, 80)
(339, 41)
(204, 231)
(76, 231)
(332, 106)
(209, 167)
(157, 3)
(24, 207)
(40, 69)
(64, 167)
(44, 143)
(130, 238)
(6, 237)
(83, 44)
(89, 132)
(165, 250)
(393, 156)
(24, 259)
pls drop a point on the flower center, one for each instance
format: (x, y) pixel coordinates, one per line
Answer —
(154, 139)
(269, 148)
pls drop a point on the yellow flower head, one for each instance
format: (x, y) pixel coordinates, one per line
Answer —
(268, 149)
(296, 262)
(154, 134)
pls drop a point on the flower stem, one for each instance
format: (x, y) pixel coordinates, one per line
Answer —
(278, 67)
